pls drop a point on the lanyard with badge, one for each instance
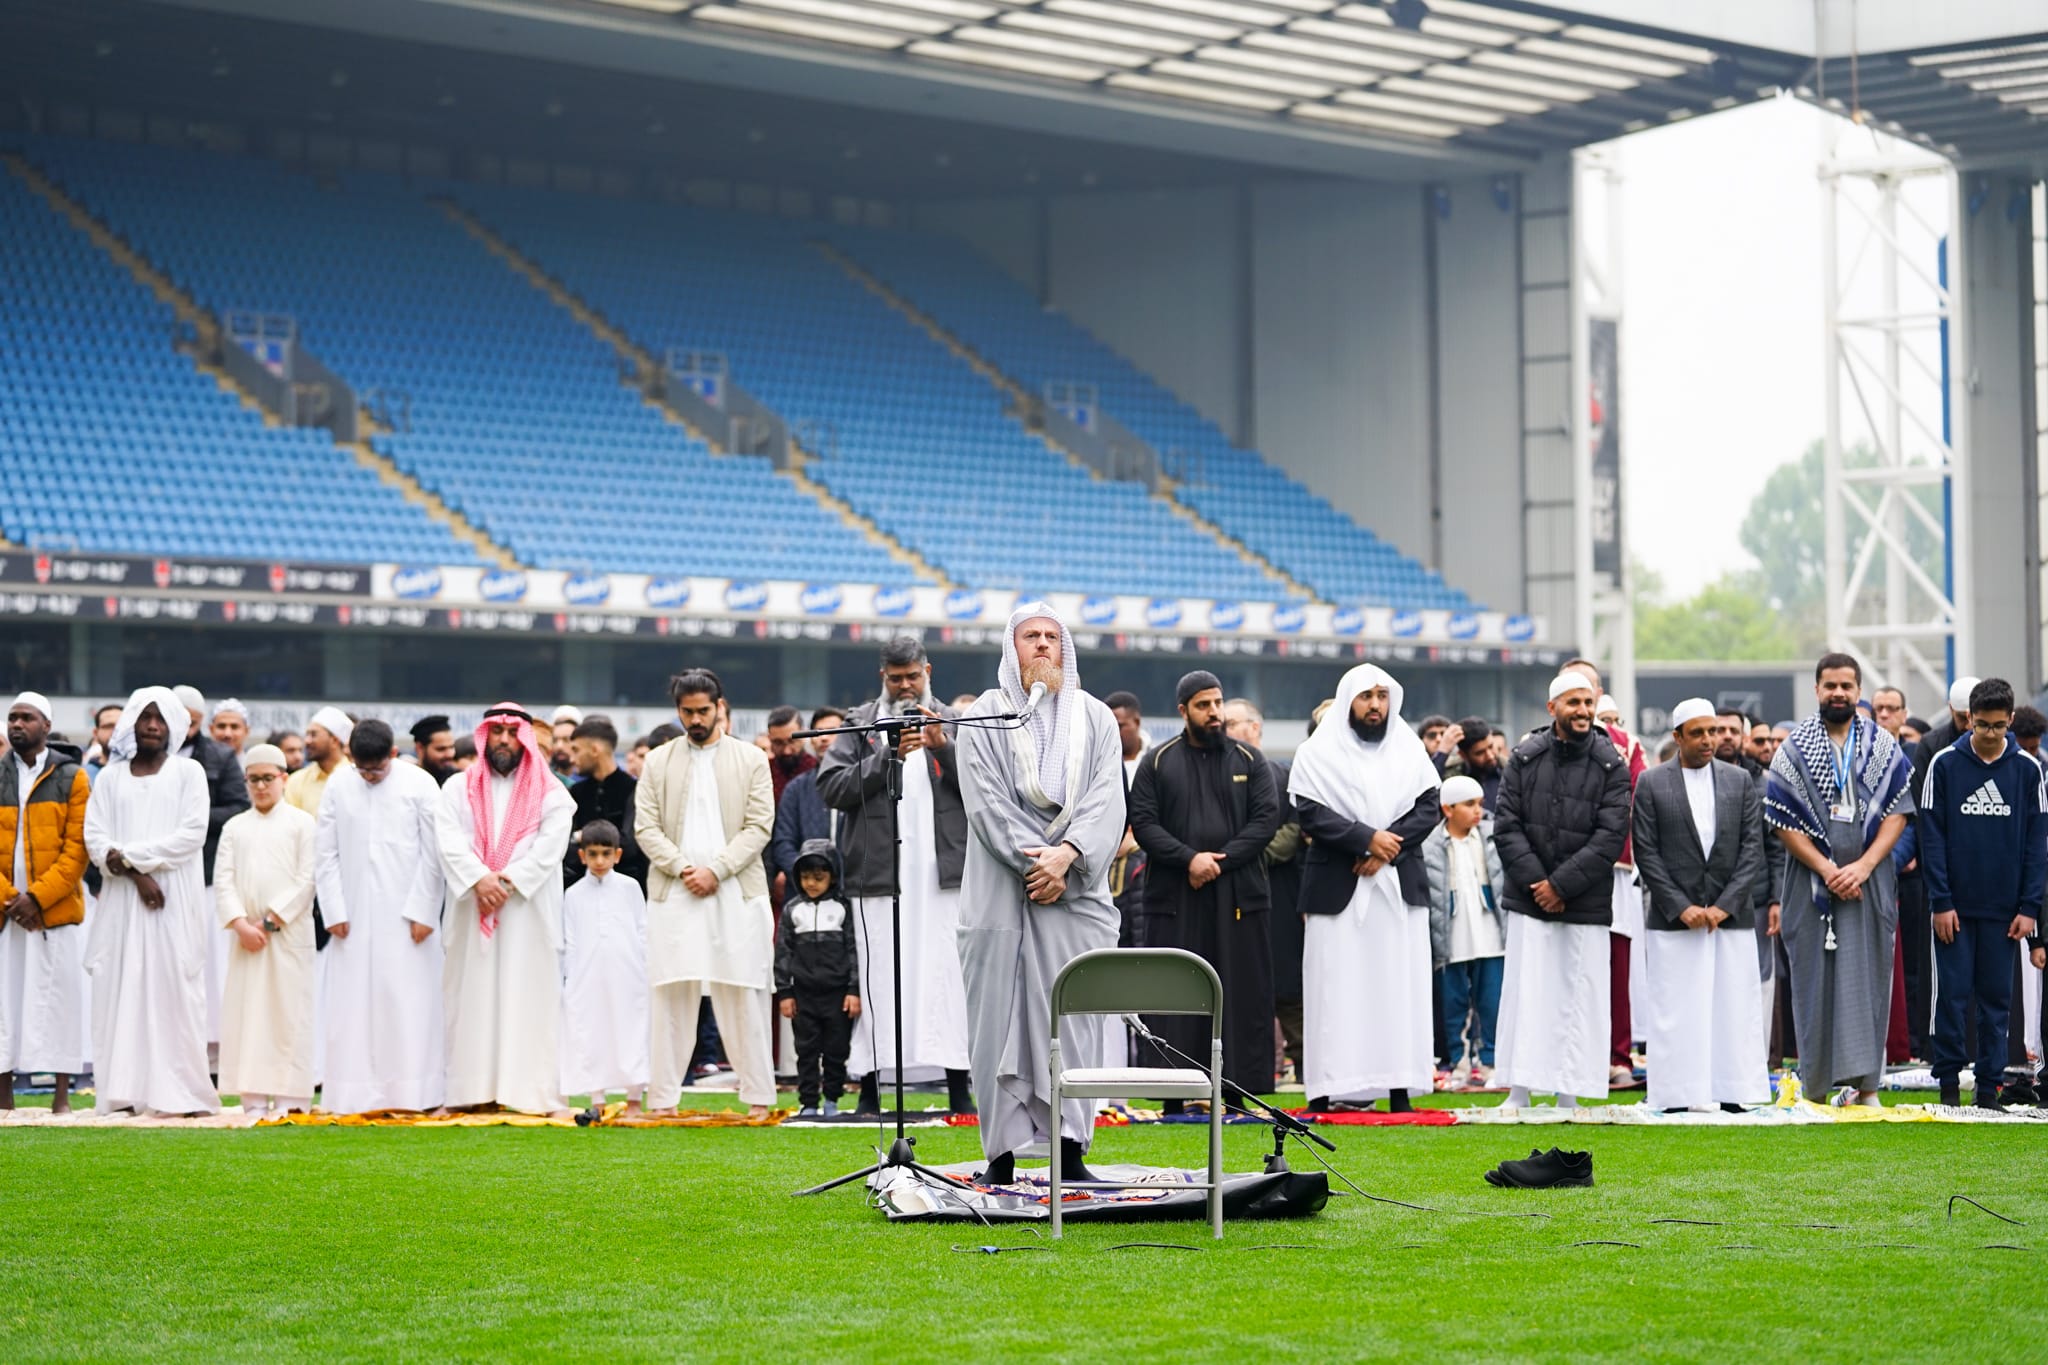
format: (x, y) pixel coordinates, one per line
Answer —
(1844, 809)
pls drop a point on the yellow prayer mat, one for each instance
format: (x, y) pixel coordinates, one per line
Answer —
(615, 1116)
(402, 1118)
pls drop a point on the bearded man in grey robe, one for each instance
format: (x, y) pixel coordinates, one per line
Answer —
(1045, 817)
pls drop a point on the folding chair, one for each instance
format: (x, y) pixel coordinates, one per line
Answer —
(1142, 981)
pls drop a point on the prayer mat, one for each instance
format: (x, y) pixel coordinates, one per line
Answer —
(1158, 1194)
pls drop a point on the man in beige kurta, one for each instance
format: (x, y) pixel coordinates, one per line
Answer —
(263, 897)
(703, 812)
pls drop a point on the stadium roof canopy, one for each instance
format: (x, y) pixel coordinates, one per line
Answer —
(1385, 88)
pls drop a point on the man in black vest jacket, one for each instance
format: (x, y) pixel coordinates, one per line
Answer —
(1563, 815)
(1204, 807)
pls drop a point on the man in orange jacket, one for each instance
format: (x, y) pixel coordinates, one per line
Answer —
(43, 1017)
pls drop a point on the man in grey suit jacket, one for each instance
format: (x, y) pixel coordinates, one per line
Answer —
(1699, 843)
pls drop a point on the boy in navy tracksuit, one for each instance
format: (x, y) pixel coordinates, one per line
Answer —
(1983, 827)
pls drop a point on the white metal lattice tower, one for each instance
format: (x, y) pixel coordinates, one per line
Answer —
(1889, 314)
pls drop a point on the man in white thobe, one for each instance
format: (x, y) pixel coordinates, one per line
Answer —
(1045, 817)
(703, 812)
(1365, 790)
(1560, 823)
(859, 776)
(145, 827)
(1699, 849)
(263, 897)
(379, 878)
(45, 1021)
(503, 828)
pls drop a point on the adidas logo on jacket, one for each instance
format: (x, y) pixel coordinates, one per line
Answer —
(1983, 832)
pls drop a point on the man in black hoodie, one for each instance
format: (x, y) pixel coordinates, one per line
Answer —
(1563, 814)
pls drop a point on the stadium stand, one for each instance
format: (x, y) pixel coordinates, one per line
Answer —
(111, 441)
(517, 414)
(517, 418)
(1235, 489)
(917, 440)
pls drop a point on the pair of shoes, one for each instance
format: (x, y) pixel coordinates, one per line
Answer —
(830, 1109)
(1543, 1171)
(809, 1111)
(2020, 1090)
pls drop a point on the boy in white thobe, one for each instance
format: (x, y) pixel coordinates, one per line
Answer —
(604, 975)
(263, 893)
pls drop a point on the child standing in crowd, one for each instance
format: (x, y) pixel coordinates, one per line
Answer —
(1467, 940)
(817, 978)
(604, 993)
(1984, 851)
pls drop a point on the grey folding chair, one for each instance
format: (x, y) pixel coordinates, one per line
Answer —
(1142, 981)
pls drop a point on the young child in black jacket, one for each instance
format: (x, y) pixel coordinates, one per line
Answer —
(817, 978)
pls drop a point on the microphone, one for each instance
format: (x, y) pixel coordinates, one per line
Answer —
(1037, 696)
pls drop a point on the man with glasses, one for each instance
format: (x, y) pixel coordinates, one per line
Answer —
(1888, 708)
(1984, 850)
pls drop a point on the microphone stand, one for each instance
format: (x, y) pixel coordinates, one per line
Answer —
(1282, 1123)
(902, 1152)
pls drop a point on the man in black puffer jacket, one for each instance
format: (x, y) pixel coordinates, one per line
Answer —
(1562, 816)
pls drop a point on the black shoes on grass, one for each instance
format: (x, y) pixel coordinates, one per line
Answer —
(1543, 1171)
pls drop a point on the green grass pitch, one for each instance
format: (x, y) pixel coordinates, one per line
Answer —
(501, 1243)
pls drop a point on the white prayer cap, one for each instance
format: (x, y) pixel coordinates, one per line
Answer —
(191, 698)
(1691, 709)
(37, 700)
(232, 707)
(1959, 693)
(1606, 706)
(335, 722)
(566, 712)
(1569, 681)
(1458, 790)
(263, 753)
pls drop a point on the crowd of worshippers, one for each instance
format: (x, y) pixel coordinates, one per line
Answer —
(523, 915)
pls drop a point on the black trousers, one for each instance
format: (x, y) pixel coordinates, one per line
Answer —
(1916, 939)
(1236, 946)
(824, 1035)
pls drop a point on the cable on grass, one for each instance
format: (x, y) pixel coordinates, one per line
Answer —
(1954, 1199)
(996, 1250)
(1637, 1245)
(1159, 1246)
(1687, 1222)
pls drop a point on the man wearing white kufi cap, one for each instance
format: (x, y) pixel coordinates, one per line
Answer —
(326, 749)
(145, 827)
(1699, 850)
(263, 897)
(230, 725)
(1045, 817)
(1366, 792)
(1559, 827)
(44, 1020)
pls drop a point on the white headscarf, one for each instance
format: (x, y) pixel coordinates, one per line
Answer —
(1373, 784)
(1050, 729)
(121, 747)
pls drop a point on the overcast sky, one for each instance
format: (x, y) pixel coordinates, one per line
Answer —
(1722, 348)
